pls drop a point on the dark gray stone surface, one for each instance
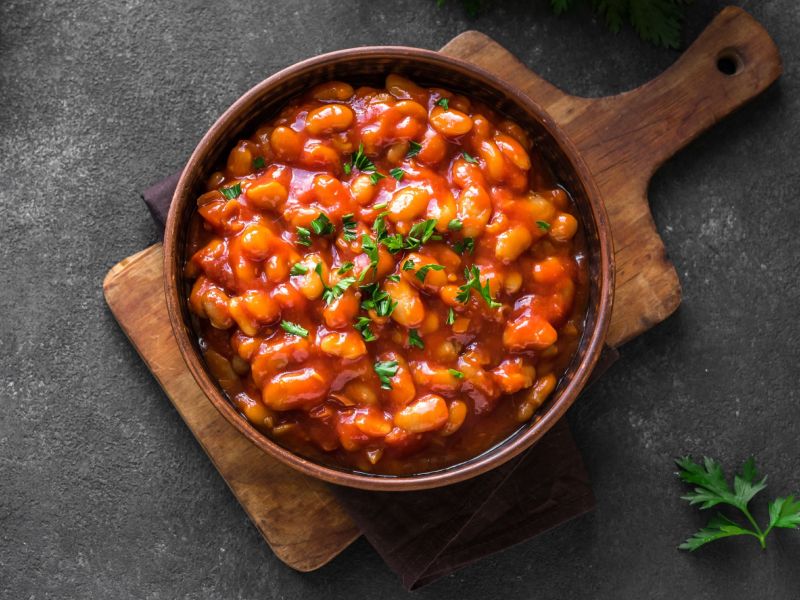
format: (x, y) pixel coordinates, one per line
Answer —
(103, 491)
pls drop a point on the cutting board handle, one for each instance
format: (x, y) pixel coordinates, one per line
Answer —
(632, 134)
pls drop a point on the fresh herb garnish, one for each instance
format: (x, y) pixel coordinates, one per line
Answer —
(713, 489)
(370, 248)
(303, 236)
(386, 370)
(377, 300)
(422, 272)
(473, 276)
(345, 268)
(360, 161)
(469, 159)
(413, 149)
(394, 243)
(379, 226)
(455, 225)
(232, 192)
(465, 246)
(451, 316)
(298, 269)
(381, 206)
(397, 173)
(395, 278)
(414, 340)
(362, 326)
(322, 225)
(420, 233)
(331, 293)
(456, 373)
(543, 225)
(259, 162)
(444, 103)
(408, 265)
(294, 329)
(350, 227)
(375, 177)
(347, 168)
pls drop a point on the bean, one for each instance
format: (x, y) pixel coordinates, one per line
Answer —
(427, 413)
(442, 207)
(433, 149)
(513, 151)
(240, 159)
(320, 156)
(494, 162)
(409, 108)
(456, 415)
(430, 324)
(256, 241)
(433, 279)
(261, 306)
(275, 354)
(465, 174)
(333, 90)
(434, 377)
(515, 131)
(294, 389)
(329, 118)
(241, 366)
(331, 192)
(408, 203)
(362, 189)
(410, 310)
(215, 180)
(536, 396)
(372, 421)
(451, 122)
(220, 367)
(512, 375)
(341, 312)
(269, 195)
(549, 270)
(255, 412)
(215, 306)
(276, 268)
(474, 210)
(310, 284)
(245, 345)
(529, 331)
(513, 282)
(348, 345)
(286, 143)
(512, 242)
(564, 227)
(405, 89)
(481, 127)
(397, 152)
(360, 393)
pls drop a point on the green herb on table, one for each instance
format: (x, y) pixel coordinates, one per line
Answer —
(386, 370)
(232, 192)
(294, 329)
(712, 489)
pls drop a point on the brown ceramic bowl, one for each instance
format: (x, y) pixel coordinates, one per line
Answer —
(369, 66)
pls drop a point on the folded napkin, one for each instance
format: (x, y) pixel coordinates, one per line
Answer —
(428, 534)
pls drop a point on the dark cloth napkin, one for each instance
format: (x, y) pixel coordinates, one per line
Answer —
(428, 534)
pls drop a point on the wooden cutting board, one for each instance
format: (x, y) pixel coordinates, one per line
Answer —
(623, 139)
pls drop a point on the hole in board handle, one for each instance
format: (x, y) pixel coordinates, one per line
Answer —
(729, 62)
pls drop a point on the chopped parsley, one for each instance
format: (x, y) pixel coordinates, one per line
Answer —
(298, 269)
(397, 173)
(360, 161)
(259, 162)
(294, 329)
(394, 278)
(413, 149)
(455, 225)
(394, 243)
(456, 373)
(375, 177)
(348, 266)
(473, 276)
(232, 192)
(451, 316)
(303, 236)
(422, 272)
(362, 326)
(543, 225)
(350, 227)
(322, 225)
(465, 246)
(377, 300)
(370, 248)
(469, 159)
(444, 103)
(414, 340)
(381, 206)
(331, 293)
(408, 265)
(386, 370)
(420, 233)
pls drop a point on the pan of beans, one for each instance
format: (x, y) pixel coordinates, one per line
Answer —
(388, 269)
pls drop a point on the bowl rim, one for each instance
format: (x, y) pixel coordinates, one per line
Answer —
(504, 450)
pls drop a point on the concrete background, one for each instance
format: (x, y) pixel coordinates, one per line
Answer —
(103, 491)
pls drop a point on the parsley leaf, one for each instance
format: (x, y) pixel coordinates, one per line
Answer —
(375, 177)
(413, 149)
(259, 162)
(394, 243)
(345, 268)
(414, 340)
(422, 272)
(386, 370)
(473, 276)
(451, 316)
(377, 300)
(543, 225)
(455, 225)
(370, 248)
(232, 192)
(420, 233)
(298, 269)
(444, 103)
(360, 161)
(712, 489)
(456, 373)
(349, 226)
(397, 173)
(362, 326)
(395, 278)
(303, 236)
(408, 265)
(331, 293)
(467, 245)
(322, 225)
(294, 329)
(469, 159)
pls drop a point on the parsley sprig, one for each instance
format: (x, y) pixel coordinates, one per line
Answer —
(386, 370)
(294, 329)
(712, 489)
(473, 276)
(232, 192)
(360, 161)
(331, 293)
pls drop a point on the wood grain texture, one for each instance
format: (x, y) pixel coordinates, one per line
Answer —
(623, 138)
(298, 516)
